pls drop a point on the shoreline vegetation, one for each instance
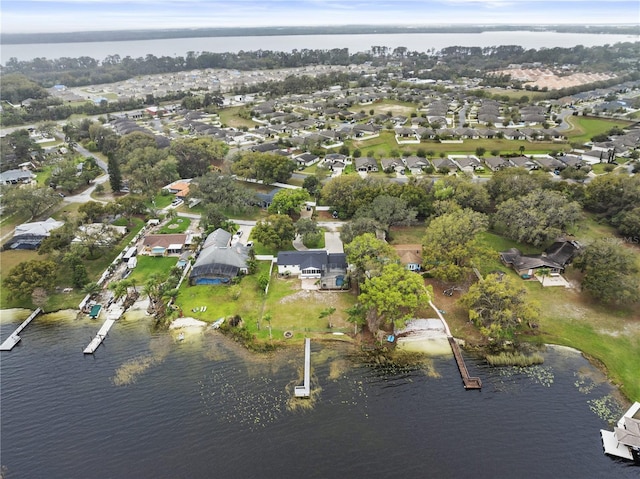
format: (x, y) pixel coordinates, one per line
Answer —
(132, 35)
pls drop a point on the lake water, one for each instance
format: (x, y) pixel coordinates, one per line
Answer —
(355, 43)
(146, 406)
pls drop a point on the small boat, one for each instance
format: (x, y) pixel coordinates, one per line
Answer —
(181, 337)
(217, 324)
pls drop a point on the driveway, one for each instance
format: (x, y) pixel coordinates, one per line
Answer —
(332, 242)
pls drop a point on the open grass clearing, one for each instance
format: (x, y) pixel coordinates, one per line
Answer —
(220, 300)
(175, 226)
(299, 311)
(385, 144)
(584, 128)
(609, 334)
(150, 265)
(231, 117)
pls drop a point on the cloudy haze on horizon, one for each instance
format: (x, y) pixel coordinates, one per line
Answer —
(40, 16)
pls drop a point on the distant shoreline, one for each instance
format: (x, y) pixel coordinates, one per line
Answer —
(129, 35)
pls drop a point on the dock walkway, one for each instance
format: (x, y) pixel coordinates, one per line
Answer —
(305, 389)
(468, 381)
(97, 340)
(14, 338)
(113, 314)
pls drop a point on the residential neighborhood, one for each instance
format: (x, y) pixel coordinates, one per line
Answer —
(236, 244)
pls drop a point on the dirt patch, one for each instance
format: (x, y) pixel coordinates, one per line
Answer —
(328, 298)
(395, 109)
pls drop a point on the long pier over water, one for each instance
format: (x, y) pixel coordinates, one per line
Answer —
(14, 339)
(469, 382)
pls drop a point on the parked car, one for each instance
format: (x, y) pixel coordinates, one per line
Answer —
(239, 233)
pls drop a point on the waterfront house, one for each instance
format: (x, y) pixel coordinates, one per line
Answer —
(329, 269)
(555, 258)
(220, 260)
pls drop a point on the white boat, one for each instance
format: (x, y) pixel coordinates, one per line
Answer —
(181, 337)
(624, 440)
(217, 324)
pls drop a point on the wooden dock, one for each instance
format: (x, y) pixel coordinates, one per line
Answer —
(469, 382)
(304, 390)
(97, 340)
(14, 338)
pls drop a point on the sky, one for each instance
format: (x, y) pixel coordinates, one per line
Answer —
(39, 16)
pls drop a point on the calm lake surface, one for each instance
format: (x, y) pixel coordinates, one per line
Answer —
(147, 406)
(355, 43)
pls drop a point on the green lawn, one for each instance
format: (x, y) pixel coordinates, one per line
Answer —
(231, 117)
(383, 145)
(162, 200)
(176, 225)
(286, 301)
(608, 334)
(219, 299)
(584, 128)
(148, 265)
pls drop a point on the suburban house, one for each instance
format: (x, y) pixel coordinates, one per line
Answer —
(467, 163)
(30, 235)
(13, 177)
(523, 162)
(555, 258)
(410, 256)
(444, 163)
(415, 164)
(264, 200)
(496, 163)
(163, 245)
(179, 188)
(392, 165)
(306, 159)
(366, 163)
(219, 261)
(329, 269)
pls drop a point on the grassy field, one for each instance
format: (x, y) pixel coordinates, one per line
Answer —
(148, 265)
(176, 225)
(584, 128)
(383, 145)
(231, 117)
(220, 300)
(282, 304)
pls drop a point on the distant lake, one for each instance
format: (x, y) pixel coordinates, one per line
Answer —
(355, 43)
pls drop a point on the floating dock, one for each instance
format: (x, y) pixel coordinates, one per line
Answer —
(304, 390)
(97, 340)
(14, 338)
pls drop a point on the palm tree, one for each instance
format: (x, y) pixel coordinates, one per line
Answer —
(119, 289)
(91, 288)
(153, 289)
(543, 273)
